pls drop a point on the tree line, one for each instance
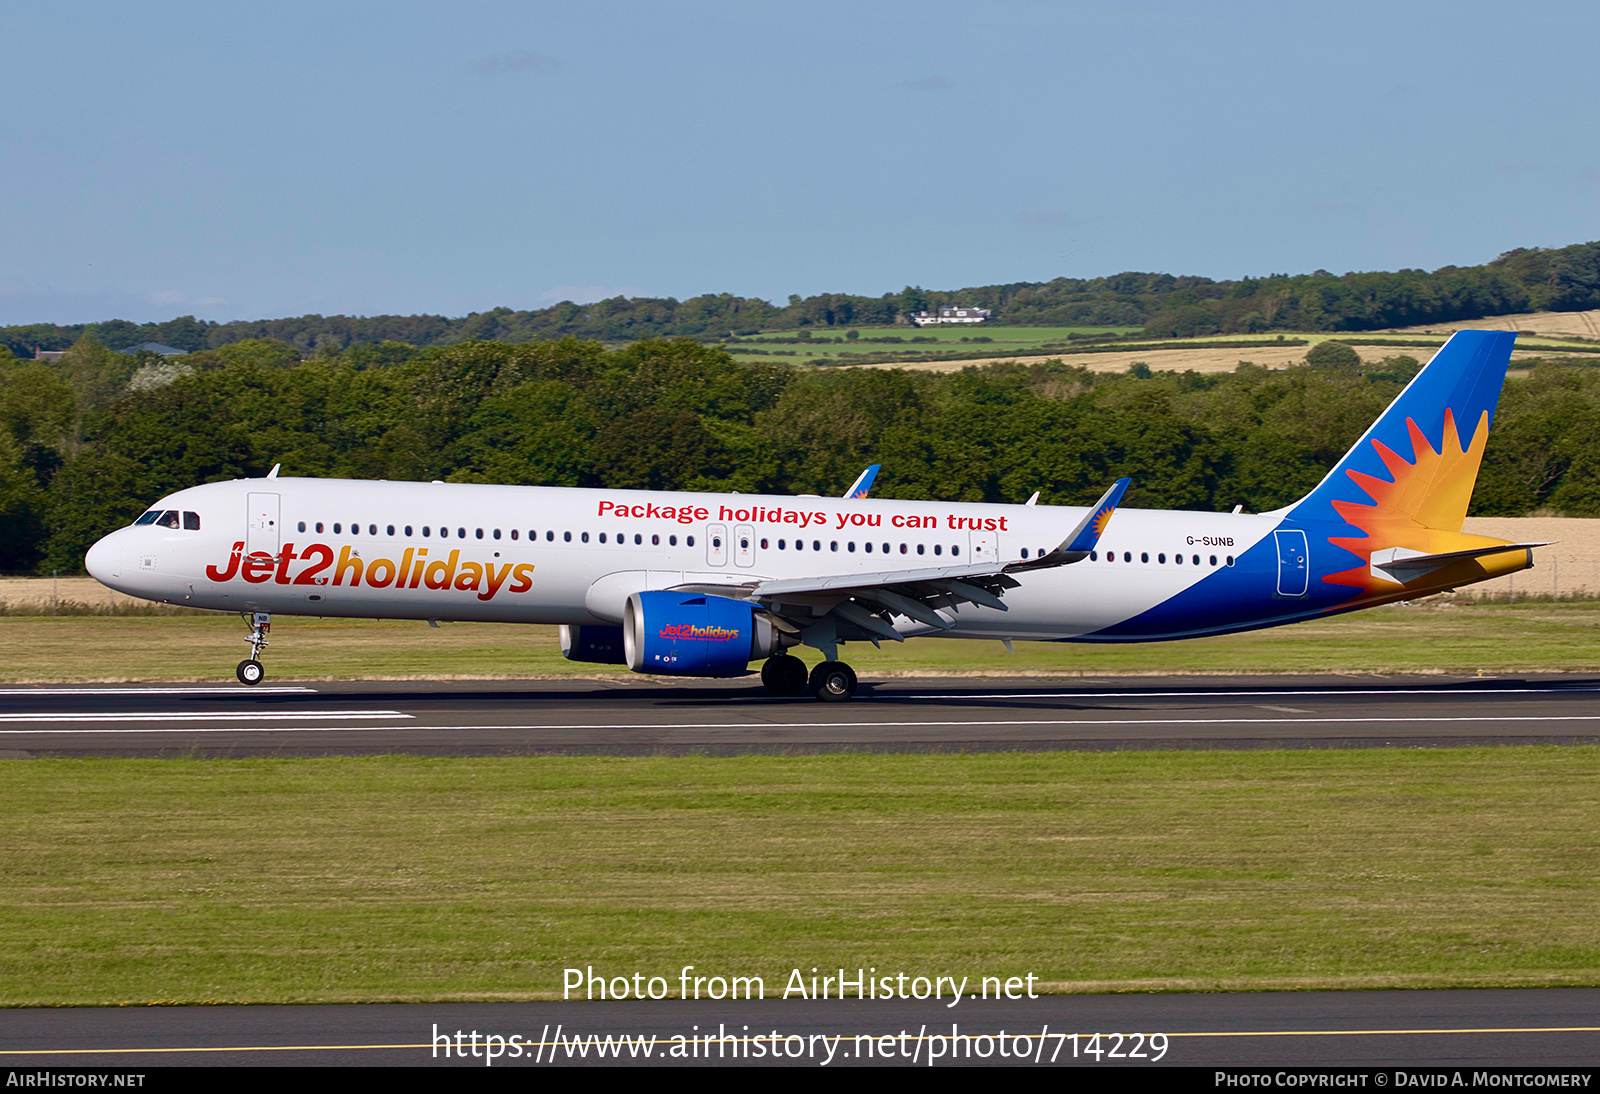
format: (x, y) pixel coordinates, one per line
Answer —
(88, 442)
(1162, 305)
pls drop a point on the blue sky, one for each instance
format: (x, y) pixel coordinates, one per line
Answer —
(234, 161)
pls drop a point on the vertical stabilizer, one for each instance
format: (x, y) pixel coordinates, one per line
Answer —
(1417, 464)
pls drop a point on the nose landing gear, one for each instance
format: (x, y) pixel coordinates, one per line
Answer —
(250, 671)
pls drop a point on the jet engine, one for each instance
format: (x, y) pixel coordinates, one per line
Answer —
(683, 634)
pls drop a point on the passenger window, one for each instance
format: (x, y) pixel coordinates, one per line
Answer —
(319, 527)
(1213, 560)
(922, 548)
(1024, 552)
(497, 533)
(301, 526)
(516, 532)
(885, 548)
(425, 531)
(549, 537)
(955, 550)
(461, 533)
(763, 545)
(688, 541)
(1230, 560)
(1178, 559)
(672, 541)
(816, 545)
(1195, 560)
(938, 548)
(567, 536)
(1144, 556)
(833, 545)
(408, 530)
(336, 528)
(851, 546)
(716, 541)
(638, 539)
(902, 548)
(799, 545)
(585, 537)
(1127, 556)
(191, 522)
(783, 544)
(391, 529)
(867, 547)
(655, 541)
(480, 533)
(602, 537)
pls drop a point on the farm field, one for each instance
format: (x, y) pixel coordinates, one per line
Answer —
(406, 878)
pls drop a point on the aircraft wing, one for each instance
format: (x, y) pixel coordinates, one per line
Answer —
(867, 603)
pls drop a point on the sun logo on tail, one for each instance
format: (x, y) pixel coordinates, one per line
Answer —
(1101, 519)
(1421, 509)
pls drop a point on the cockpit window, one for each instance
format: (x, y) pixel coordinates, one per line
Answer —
(148, 518)
(169, 519)
(191, 521)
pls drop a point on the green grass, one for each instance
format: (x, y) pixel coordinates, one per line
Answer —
(1467, 638)
(271, 880)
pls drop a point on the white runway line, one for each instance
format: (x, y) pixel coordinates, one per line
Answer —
(1249, 694)
(1041, 722)
(213, 716)
(158, 692)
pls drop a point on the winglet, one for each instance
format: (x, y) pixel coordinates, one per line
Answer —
(863, 483)
(1084, 537)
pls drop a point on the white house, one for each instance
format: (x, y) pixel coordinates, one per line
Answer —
(947, 314)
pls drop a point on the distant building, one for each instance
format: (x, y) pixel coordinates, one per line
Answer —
(154, 347)
(950, 315)
(48, 354)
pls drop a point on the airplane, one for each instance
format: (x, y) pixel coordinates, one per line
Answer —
(703, 584)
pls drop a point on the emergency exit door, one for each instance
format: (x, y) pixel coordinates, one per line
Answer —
(1294, 573)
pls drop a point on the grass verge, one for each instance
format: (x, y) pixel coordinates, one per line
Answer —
(393, 878)
(1464, 638)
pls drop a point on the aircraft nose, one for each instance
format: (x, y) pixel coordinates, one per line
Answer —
(104, 559)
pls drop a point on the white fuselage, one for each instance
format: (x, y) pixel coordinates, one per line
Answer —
(524, 554)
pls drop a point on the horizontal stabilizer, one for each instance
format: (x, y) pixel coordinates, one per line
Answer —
(1399, 564)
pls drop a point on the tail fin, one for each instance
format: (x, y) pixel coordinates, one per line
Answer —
(1414, 469)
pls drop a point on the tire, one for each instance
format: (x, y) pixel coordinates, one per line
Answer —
(833, 682)
(250, 673)
(784, 676)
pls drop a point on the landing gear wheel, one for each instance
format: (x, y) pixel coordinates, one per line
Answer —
(833, 682)
(784, 676)
(250, 673)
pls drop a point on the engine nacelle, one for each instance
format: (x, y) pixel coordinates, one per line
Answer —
(596, 644)
(684, 634)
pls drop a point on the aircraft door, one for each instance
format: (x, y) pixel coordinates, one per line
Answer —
(1294, 573)
(984, 547)
(744, 545)
(261, 527)
(717, 544)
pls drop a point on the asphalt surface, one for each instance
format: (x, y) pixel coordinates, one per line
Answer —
(648, 716)
(1435, 1029)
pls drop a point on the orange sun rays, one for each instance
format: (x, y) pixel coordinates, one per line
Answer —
(1428, 496)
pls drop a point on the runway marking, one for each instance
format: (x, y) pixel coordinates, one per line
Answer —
(1254, 694)
(200, 716)
(530, 1043)
(787, 725)
(160, 691)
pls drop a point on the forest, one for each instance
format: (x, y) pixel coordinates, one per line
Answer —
(1161, 305)
(88, 441)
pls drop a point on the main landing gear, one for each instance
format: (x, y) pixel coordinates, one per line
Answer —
(785, 676)
(251, 672)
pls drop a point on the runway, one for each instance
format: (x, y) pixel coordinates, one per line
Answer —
(1530, 1028)
(634, 716)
